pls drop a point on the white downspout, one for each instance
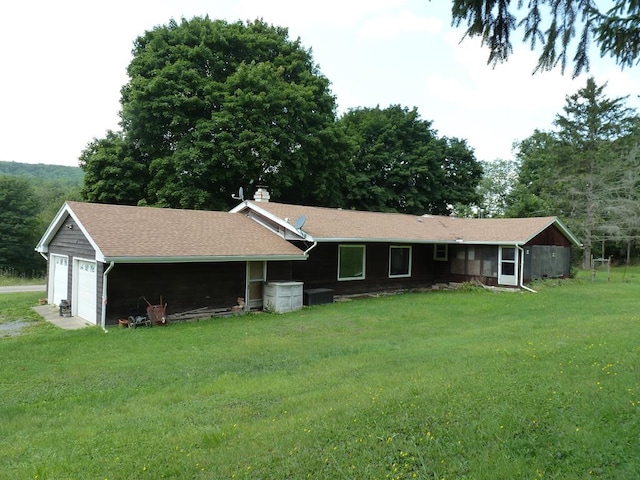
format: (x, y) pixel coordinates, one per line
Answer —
(103, 319)
(522, 285)
(310, 248)
(46, 259)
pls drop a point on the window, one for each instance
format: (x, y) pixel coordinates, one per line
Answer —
(441, 252)
(351, 262)
(399, 261)
(508, 261)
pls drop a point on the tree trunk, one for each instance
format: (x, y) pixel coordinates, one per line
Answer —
(586, 258)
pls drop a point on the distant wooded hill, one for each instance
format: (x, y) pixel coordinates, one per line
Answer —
(62, 175)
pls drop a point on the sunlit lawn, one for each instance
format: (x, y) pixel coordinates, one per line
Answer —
(457, 385)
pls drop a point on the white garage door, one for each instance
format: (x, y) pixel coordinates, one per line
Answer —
(58, 278)
(85, 287)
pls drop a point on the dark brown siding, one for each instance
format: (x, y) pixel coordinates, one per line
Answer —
(69, 240)
(182, 286)
(279, 271)
(550, 236)
(321, 269)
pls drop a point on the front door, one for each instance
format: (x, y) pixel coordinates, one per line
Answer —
(508, 266)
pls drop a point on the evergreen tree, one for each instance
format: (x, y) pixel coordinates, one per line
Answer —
(575, 171)
(554, 24)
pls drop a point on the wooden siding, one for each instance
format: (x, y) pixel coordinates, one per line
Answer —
(550, 236)
(280, 271)
(546, 261)
(321, 269)
(182, 286)
(70, 241)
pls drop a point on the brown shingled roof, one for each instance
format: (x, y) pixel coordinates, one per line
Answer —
(337, 224)
(126, 232)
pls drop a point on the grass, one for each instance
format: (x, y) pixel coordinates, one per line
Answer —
(444, 385)
(9, 278)
(17, 307)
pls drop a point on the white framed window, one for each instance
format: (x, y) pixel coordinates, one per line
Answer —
(351, 262)
(441, 252)
(399, 261)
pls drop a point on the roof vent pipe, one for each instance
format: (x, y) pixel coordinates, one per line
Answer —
(261, 195)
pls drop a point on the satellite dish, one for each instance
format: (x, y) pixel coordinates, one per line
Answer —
(300, 222)
(240, 195)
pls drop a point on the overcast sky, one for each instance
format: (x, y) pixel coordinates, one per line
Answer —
(63, 64)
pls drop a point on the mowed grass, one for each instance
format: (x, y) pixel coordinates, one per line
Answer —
(466, 384)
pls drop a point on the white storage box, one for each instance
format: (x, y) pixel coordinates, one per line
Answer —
(282, 296)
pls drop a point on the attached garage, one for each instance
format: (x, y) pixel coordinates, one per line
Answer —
(117, 256)
(85, 282)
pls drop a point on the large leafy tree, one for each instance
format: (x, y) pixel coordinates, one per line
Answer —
(554, 25)
(211, 106)
(576, 170)
(18, 226)
(399, 163)
(112, 172)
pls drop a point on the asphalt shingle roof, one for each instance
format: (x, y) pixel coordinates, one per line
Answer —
(124, 231)
(331, 223)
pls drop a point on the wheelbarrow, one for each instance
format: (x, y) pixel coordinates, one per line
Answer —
(155, 315)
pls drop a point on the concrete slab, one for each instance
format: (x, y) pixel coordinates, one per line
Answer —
(52, 314)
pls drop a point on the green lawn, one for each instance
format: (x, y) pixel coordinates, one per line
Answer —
(468, 384)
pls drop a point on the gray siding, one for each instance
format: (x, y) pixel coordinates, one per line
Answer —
(547, 261)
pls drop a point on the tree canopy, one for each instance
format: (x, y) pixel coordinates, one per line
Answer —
(554, 25)
(498, 179)
(211, 106)
(30, 196)
(400, 165)
(18, 225)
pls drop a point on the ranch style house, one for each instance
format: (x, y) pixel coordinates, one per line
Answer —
(105, 261)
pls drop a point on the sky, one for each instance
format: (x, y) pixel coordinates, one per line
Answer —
(63, 63)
